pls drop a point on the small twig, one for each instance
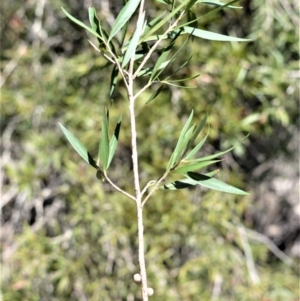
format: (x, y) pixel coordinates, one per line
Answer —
(118, 188)
(146, 187)
(161, 179)
(248, 254)
(271, 246)
(152, 49)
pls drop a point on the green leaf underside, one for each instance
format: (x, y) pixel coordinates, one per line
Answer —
(194, 166)
(114, 141)
(124, 15)
(199, 33)
(205, 181)
(208, 35)
(134, 41)
(78, 146)
(103, 153)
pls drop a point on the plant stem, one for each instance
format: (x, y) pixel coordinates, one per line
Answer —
(142, 264)
(138, 195)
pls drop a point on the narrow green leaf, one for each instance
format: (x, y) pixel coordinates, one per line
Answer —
(174, 57)
(192, 18)
(218, 3)
(205, 181)
(183, 79)
(205, 15)
(214, 155)
(103, 153)
(123, 35)
(177, 70)
(114, 141)
(153, 22)
(78, 146)
(149, 70)
(155, 94)
(96, 25)
(163, 2)
(124, 15)
(180, 147)
(113, 82)
(130, 52)
(158, 64)
(194, 166)
(164, 21)
(212, 173)
(190, 5)
(177, 185)
(162, 59)
(179, 86)
(208, 35)
(196, 148)
(175, 156)
(81, 24)
(214, 184)
(196, 133)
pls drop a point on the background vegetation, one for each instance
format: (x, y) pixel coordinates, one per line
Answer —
(64, 236)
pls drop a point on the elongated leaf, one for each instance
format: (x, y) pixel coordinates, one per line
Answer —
(96, 25)
(174, 56)
(130, 52)
(214, 184)
(181, 137)
(196, 149)
(194, 166)
(218, 3)
(154, 22)
(113, 82)
(196, 133)
(91, 30)
(114, 141)
(210, 157)
(155, 94)
(149, 70)
(162, 59)
(148, 37)
(163, 2)
(177, 185)
(78, 146)
(190, 5)
(183, 79)
(208, 35)
(158, 64)
(124, 15)
(179, 86)
(205, 181)
(212, 173)
(103, 153)
(165, 20)
(181, 146)
(177, 70)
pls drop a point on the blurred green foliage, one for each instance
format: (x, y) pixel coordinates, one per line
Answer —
(68, 237)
